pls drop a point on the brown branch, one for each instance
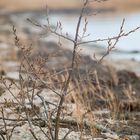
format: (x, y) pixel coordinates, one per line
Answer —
(109, 38)
(64, 92)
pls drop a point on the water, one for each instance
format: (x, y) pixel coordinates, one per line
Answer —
(104, 27)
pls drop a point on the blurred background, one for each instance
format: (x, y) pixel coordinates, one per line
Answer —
(118, 5)
(105, 22)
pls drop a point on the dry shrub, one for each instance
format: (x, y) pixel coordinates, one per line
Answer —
(88, 89)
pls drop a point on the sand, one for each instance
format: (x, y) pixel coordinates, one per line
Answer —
(119, 5)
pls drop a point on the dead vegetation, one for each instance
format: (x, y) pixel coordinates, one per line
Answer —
(53, 99)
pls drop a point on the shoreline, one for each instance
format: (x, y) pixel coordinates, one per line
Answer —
(102, 11)
(116, 56)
